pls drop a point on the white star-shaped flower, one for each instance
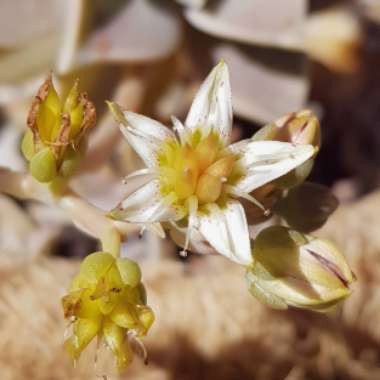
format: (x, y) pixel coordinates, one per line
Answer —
(197, 176)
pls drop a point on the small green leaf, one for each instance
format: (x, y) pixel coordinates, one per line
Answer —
(307, 207)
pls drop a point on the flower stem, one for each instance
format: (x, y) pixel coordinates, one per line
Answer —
(84, 215)
(111, 242)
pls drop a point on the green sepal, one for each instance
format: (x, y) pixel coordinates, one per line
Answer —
(70, 162)
(259, 291)
(43, 166)
(129, 271)
(27, 145)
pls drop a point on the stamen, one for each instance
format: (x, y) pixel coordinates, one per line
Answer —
(192, 204)
(248, 197)
(179, 129)
(139, 173)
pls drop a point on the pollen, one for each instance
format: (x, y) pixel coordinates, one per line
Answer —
(199, 167)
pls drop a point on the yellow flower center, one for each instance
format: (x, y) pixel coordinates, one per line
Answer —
(198, 168)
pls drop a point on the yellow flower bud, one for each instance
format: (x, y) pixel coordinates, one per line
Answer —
(106, 300)
(297, 270)
(59, 128)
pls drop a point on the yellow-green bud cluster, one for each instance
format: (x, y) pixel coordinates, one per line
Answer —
(108, 300)
(53, 143)
(293, 269)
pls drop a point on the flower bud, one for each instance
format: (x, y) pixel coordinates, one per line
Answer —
(107, 299)
(57, 128)
(291, 269)
(297, 128)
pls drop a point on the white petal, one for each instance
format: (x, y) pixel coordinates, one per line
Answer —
(148, 127)
(197, 242)
(146, 205)
(264, 161)
(143, 134)
(226, 230)
(212, 106)
(180, 129)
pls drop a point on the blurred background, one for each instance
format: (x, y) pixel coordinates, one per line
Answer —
(150, 56)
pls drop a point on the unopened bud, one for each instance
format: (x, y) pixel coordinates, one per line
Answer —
(57, 130)
(298, 128)
(291, 269)
(106, 300)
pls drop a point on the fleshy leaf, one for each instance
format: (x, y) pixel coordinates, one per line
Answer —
(307, 207)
